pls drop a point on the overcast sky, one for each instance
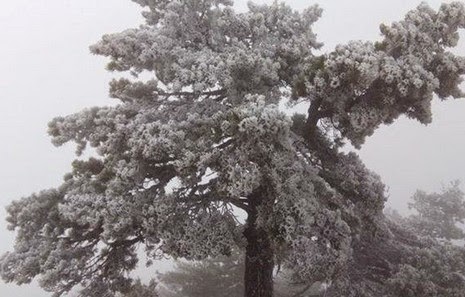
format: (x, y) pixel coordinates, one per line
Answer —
(46, 70)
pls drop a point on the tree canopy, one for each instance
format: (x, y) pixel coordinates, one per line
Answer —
(182, 153)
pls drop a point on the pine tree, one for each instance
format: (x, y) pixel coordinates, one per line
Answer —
(435, 267)
(138, 289)
(202, 140)
(439, 215)
(215, 277)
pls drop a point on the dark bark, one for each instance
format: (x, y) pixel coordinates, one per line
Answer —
(259, 256)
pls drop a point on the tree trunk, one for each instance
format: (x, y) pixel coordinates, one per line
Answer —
(259, 257)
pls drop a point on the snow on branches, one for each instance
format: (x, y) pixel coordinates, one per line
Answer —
(204, 137)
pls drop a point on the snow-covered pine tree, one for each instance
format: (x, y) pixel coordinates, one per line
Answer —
(183, 152)
(439, 215)
(440, 258)
(216, 277)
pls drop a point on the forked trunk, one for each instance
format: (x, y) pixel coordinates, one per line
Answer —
(259, 259)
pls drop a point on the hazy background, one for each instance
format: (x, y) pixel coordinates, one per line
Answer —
(46, 70)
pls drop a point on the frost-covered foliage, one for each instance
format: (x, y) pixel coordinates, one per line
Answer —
(204, 44)
(418, 257)
(361, 85)
(434, 271)
(400, 263)
(435, 266)
(439, 215)
(183, 151)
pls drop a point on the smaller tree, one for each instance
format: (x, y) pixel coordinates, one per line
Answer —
(432, 265)
(216, 277)
(439, 215)
(223, 277)
(135, 289)
(142, 290)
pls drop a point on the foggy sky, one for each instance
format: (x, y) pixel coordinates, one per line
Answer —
(46, 70)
